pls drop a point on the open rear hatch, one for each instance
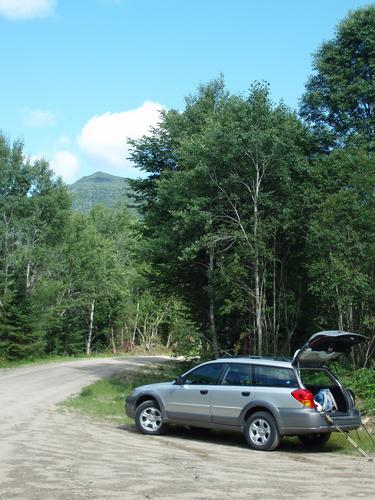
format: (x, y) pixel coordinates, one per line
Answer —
(312, 358)
(325, 346)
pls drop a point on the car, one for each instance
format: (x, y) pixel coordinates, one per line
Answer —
(265, 398)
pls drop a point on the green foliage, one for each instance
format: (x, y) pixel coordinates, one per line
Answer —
(339, 98)
(33, 207)
(216, 222)
(70, 282)
(362, 383)
(19, 334)
(341, 243)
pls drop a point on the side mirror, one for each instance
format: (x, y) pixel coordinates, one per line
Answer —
(178, 380)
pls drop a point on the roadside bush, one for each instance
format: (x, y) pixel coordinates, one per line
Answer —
(362, 383)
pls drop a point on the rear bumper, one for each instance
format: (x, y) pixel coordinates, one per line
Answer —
(306, 421)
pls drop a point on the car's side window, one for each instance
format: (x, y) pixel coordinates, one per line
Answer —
(274, 376)
(237, 374)
(204, 375)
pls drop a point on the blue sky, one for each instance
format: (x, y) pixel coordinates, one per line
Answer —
(79, 76)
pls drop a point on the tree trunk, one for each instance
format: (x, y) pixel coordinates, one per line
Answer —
(6, 253)
(339, 309)
(28, 281)
(122, 340)
(89, 338)
(169, 340)
(211, 312)
(274, 313)
(113, 344)
(135, 325)
(258, 298)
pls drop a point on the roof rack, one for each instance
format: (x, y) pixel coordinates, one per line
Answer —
(275, 358)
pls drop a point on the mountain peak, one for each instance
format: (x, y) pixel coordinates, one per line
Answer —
(99, 188)
(99, 176)
(99, 173)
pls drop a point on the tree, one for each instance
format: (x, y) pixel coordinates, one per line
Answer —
(254, 158)
(222, 220)
(339, 97)
(173, 218)
(33, 208)
(341, 245)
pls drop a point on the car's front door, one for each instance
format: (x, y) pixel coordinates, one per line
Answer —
(190, 400)
(232, 395)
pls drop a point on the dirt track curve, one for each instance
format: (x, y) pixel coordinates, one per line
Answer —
(49, 454)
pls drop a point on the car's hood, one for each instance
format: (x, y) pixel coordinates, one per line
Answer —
(149, 387)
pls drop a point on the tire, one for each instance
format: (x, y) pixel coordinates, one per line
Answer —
(261, 431)
(315, 440)
(148, 419)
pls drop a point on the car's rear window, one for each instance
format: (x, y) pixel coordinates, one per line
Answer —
(274, 376)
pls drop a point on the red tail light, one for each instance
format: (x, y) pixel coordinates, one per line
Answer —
(304, 397)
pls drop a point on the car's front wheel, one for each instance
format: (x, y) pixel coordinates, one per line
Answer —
(148, 418)
(315, 440)
(261, 432)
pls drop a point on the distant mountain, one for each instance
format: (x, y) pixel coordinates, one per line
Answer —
(99, 187)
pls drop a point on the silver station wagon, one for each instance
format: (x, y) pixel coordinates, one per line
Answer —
(265, 398)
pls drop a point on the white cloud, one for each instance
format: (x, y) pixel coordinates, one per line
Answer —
(40, 117)
(63, 140)
(26, 9)
(65, 164)
(104, 137)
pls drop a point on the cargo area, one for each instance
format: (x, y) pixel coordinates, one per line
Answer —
(315, 379)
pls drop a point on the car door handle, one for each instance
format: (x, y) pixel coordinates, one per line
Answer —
(245, 393)
(203, 392)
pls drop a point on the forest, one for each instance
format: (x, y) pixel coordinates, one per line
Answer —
(255, 226)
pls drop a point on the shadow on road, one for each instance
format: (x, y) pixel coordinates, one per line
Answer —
(232, 439)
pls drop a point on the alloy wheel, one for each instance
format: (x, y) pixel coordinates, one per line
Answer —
(259, 431)
(150, 419)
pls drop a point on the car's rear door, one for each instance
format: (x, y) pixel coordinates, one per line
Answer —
(190, 400)
(232, 394)
(325, 346)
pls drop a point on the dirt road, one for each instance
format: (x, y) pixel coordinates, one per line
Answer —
(49, 454)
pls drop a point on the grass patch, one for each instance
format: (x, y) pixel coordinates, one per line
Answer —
(105, 399)
(337, 443)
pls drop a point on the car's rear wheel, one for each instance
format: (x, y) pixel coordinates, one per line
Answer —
(315, 440)
(149, 419)
(261, 432)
